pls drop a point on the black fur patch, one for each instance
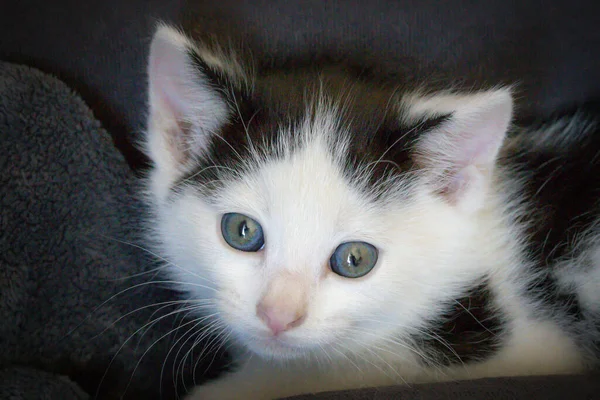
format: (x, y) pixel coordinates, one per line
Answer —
(377, 138)
(282, 99)
(562, 187)
(232, 144)
(389, 150)
(250, 127)
(216, 79)
(469, 330)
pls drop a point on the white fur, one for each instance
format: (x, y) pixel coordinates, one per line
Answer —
(582, 274)
(356, 331)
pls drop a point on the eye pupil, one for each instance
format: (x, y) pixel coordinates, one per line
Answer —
(243, 229)
(242, 232)
(353, 259)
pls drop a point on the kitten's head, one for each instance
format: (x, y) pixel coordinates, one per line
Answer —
(309, 217)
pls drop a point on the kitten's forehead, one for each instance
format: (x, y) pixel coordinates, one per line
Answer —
(364, 148)
(301, 191)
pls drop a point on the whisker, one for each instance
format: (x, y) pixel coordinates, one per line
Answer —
(168, 263)
(190, 333)
(210, 328)
(127, 341)
(196, 307)
(228, 144)
(475, 318)
(164, 304)
(223, 341)
(325, 352)
(171, 346)
(382, 370)
(188, 179)
(239, 112)
(199, 322)
(396, 142)
(346, 357)
(201, 336)
(428, 334)
(152, 345)
(108, 300)
(219, 342)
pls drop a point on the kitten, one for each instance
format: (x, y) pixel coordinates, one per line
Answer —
(344, 234)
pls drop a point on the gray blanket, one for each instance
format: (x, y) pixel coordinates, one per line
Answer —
(77, 297)
(78, 294)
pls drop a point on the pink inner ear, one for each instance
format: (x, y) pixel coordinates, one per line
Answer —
(466, 189)
(184, 108)
(473, 136)
(461, 153)
(482, 137)
(167, 76)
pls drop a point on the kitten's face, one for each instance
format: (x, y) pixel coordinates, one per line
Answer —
(314, 254)
(306, 209)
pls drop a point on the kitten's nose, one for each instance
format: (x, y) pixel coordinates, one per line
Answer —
(279, 319)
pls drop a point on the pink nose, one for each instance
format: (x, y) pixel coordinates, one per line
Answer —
(277, 319)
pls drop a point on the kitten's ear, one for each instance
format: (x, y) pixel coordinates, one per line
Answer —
(188, 98)
(461, 152)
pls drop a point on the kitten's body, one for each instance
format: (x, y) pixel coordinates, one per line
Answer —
(489, 260)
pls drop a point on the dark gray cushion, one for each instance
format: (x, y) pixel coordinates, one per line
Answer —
(22, 383)
(79, 295)
(575, 387)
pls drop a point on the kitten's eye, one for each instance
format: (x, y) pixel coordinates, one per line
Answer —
(242, 232)
(353, 259)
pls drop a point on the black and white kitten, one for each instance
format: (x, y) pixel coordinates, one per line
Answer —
(343, 234)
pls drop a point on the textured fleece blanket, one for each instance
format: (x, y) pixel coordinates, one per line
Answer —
(78, 294)
(77, 297)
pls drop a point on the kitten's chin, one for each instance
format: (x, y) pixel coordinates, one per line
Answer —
(277, 347)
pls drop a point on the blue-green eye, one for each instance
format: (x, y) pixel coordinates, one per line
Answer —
(242, 232)
(353, 259)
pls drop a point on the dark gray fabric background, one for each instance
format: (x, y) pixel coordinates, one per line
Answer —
(578, 387)
(78, 295)
(99, 47)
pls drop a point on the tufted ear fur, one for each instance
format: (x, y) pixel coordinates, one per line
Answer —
(189, 99)
(461, 152)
